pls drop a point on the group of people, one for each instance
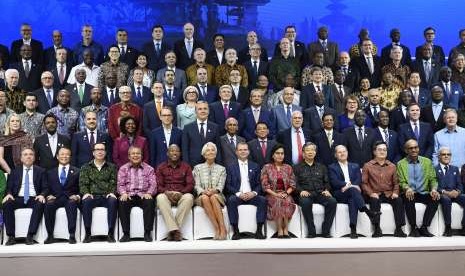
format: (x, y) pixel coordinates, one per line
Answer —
(176, 125)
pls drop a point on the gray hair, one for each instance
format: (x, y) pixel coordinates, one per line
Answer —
(209, 145)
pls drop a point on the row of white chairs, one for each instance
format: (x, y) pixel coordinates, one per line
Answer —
(197, 225)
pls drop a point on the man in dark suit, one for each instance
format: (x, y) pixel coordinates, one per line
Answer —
(283, 112)
(417, 130)
(178, 78)
(351, 73)
(399, 115)
(152, 109)
(260, 148)
(308, 91)
(208, 93)
(83, 142)
(241, 192)
(368, 64)
(229, 142)
(437, 53)
(36, 46)
(128, 54)
(256, 113)
(110, 93)
(329, 48)
(244, 54)
(216, 56)
(140, 93)
(60, 69)
(421, 95)
(185, 47)
(156, 49)
(293, 139)
(47, 95)
(224, 108)
(163, 136)
(388, 136)
(297, 48)
(453, 92)
(433, 112)
(80, 91)
(49, 56)
(29, 72)
(240, 93)
(373, 108)
(313, 116)
(427, 67)
(395, 41)
(326, 139)
(255, 67)
(26, 188)
(63, 183)
(47, 146)
(359, 140)
(197, 134)
(339, 90)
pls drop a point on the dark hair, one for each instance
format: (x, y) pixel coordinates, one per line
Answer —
(66, 148)
(49, 115)
(274, 149)
(158, 26)
(412, 104)
(121, 30)
(428, 29)
(461, 31)
(326, 115)
(260, 123)
(241, 144)
(30, 94)
(217, 35)
(99, 143)
(309, 144)
(123, 121)
(377, 143)
(289, 27)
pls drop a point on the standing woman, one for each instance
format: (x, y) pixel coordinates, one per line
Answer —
(209, 183)
(128, 128)
(12, 142)
(278, 182)
(362, 95)
(185, 112)
(149, 75)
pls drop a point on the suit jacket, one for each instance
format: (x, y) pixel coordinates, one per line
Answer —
(397, 118)
(285, 138)
(37, 51)
(182, 57)
(325, 153)
(338, 100)
(228, 150)
(244, 55)
(212, 94)
(456, 94)
(448, 181)
(362, 67)
(180, 81)
(156, 60)
(424, 96)
(192, 142)
(50, 60)
(427, 116)
(44, 156)
(247, 123)
(151, 120)
(312, 119)
(5, 56)
(243, 97)
(280, 113)
(56, 79)
(300, 53)
(438, 54)
(158, 146)
(32, 82)
(130, 57)
(374, 120)
(15, 180)
(307, 96)
(212, 58)
(176, 96)
(425, 141)
(394, 149)
(82, 152)
(386, 52)
(76, 103)
(336, 176)
(253, 75)
(331, 51)
(42, 102)
(419, 66)
(147, 96)
(106, 101)
(352, 78)
(71, 186)
(256, 152)
(216, 114)
(233, 179)
(359, 154)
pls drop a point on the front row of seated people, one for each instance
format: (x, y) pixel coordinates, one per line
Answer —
(273, 190)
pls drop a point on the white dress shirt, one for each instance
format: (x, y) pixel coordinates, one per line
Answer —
(345, 171)
(245, 183)
(167, 132)
(53, 142)
(32, 190)
(295, 148)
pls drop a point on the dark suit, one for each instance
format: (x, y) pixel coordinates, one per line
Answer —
(285, 138)
(14, 184)
(42, 102)
(32, 82)
(370, 116)
(244, 54)
(256, 151)
(129, 57)
(325, 153)
(427, 116)
(192, 142)
(331, 51)
(253, 74)
(247, 123)
(456, 94)
(82, 152)
(233, 186)
(50, 60)
(216, 114)
(182, 56)
(37, 51)
(212, 93)
(76, 103)
(158, 146)
(151, 120)
(425, 141)
(338, 98)
(62, 192)
(228, 150)
(44, 156)
(56, 75)
(359, 154)
(242, 98)
(352, 77)
(308, 92)
(156, 60)
(312, 119)
(397, 118)
(438, 54)
(386, 53)
(448, 181)
(106, 100)
(419, 66)
(424, 96)
(362, 67)
(176, 96)
(5, 53)
(300, 52)
(147, 95)
(212, 58)
(394, 149)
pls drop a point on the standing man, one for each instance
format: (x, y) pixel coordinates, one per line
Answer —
(417, 130)
(434, 112)
(128, 54)
(453, 91)
(282, 65)
(224, 108)
(185, 47)
(31, 120)
(179, 80)
(80, 91)
(97, 107)
(389, 137)
(140, 93)
(60, 69)
(67, 117)
(87, 43)
(256, 113)
(47, 95)
(50, 53)
(255, 67)
(329, 48)
(156, 49)
(152, 109)
(216, 56)
(29, 70)
(326, 139)
(26, 39)
(359, 140)
(229, 142)
(260, 148)
(297, 48)
(208, 93)
(293, 139)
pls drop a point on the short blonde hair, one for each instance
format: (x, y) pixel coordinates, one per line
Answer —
(209, 145)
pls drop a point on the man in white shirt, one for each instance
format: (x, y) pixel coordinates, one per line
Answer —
(92, 70)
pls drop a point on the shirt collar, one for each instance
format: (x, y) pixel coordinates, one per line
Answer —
(199, 122)
(410, 161)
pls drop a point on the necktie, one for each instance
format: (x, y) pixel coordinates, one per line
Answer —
(386, 137)
(81, 92)
(415, 130)
(415, 94)
(92, 139)
(157, 48)
(344, 69)
(27, 68)
(123, 50)
(232, 141)
(202, 88)
(225, 110)
(49, 97)
(263, 146)
(202, 130)
(189, 48)
(375, 111)
(446, 168)
(321, 111)
(63, 176)
(288, 113)
(299, 145)
(341, 91)
(324, 44)
(158, 105)
(447, 90)
(61, 76)
(370, 64)
(318, 88)
(170, 94)
(112, 96)
(360, 136)
(255, 68)
(26, 186)
(256, 115)
(292, 51)
(139, 94)
(427, 70)
(330, 138)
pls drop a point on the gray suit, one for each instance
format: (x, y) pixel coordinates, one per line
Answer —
(180, 81)
(228, 150)
(280, 114)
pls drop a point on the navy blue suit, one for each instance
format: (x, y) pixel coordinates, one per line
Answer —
(233, 186)
(44, 155)
(256, 154)
(62, 194)
(371, 117)
(32, 82)
(156, 59)
(394, 149)
(105, 99)
(456, 94)
(147, 95)
(425, 141)
(212, 93)
(158, 146)
(14, 183)
(418, 65)
(285, 138)
(216, 114)
(325, 153)
(397, 118)
(449, 181)
(151, 120)
(247, 123)
(192, 142)
(427, 116)
(312, 119)
(42, 102)
(359, 154)
(176, 96)
(82, 152)
(308, 92)
(424, 97)
(253, 75)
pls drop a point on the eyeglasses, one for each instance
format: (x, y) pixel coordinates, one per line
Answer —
(446, 154)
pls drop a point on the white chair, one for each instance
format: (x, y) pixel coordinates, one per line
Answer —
(61, 224)
(202, 226)
(136, 224)
(318, 218)
(99, 223)
(22, 219)
(456, 216)
(294, 226)
(247, 219)
(420, 211)
(387, 221)
(186, 228)
(342, 222)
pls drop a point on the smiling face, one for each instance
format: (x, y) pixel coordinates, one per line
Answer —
(242, 151)
(188, 30)
(174, 153)
(135, 156)
(64, 156)
(27, 157)
(63, 98)
(26, 31)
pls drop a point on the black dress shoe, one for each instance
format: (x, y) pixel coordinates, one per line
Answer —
(447, 232)
(377, 233)
(29, 240)
(353, 233)
(424, 232)
(372, 215)
(414, 233)
(399, 233)
(49, 240)
(72, 240)
(236, 236)
(259, 235)
(311, 236)
(111, 238)
(125, 238)
(326, 235)
(87, 238)
(148, 237)
(11, 241)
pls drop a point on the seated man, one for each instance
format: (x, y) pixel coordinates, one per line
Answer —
(418, 181)
(26, 188)
(313, 186)
(380, 185)
(450, 187)
(175, 184)
(97, 183)
(63, 183)
(137, 186)
(243, 187)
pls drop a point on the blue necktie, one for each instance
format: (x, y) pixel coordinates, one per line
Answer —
(63, 176)
(139, 94)
(26, 186)
(288, 113)
(415, 131)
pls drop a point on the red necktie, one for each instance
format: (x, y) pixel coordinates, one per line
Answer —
(299, 145)
(226, 110)
(263, 143)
